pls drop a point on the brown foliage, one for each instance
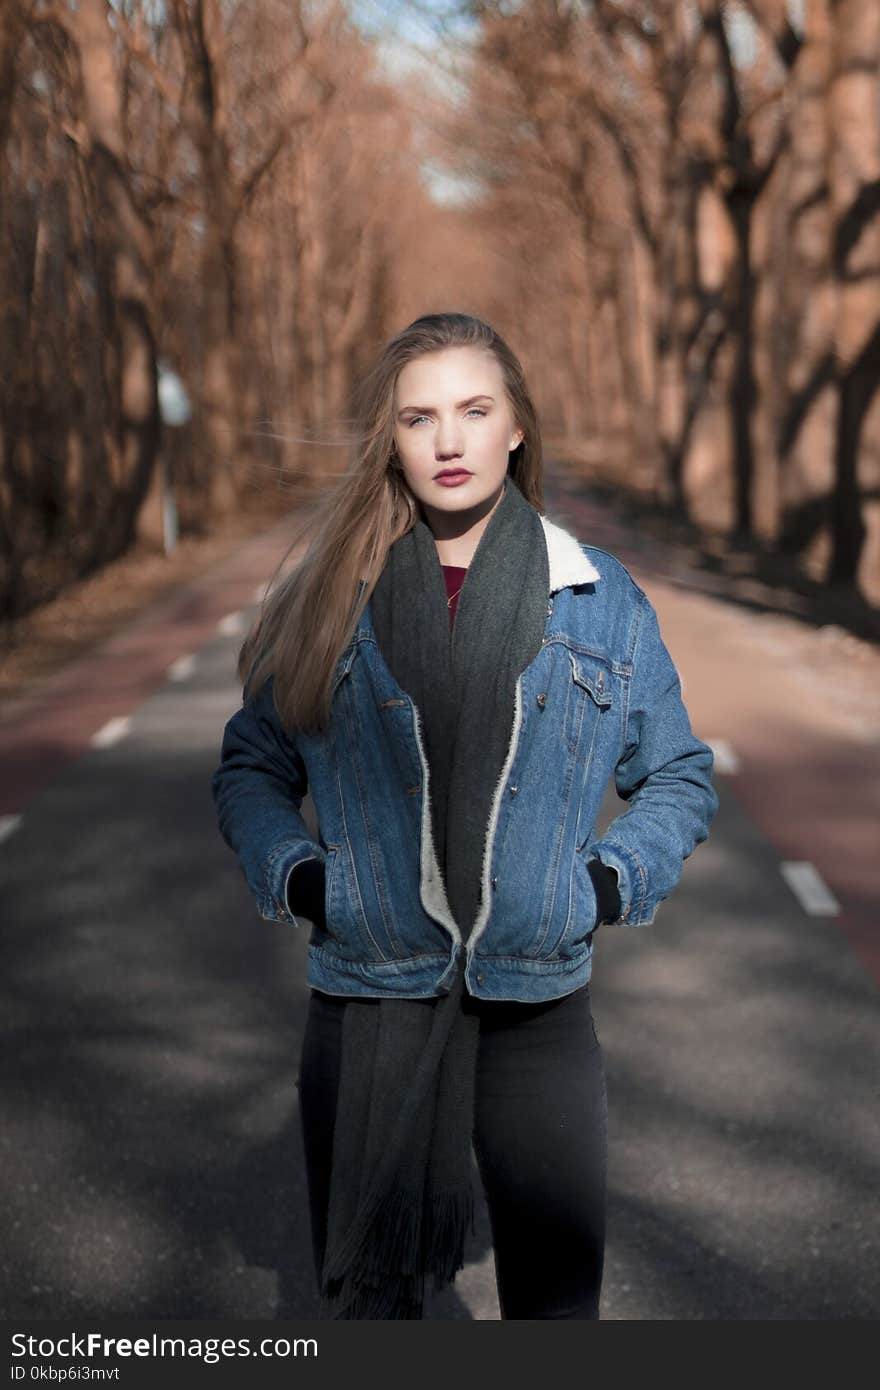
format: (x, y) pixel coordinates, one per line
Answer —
(670, 208)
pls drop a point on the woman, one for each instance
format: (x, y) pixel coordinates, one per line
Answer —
(456, 679)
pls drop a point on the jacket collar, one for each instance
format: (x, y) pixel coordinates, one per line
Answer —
(568, 563)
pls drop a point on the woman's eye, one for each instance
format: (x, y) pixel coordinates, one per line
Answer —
(475, 409)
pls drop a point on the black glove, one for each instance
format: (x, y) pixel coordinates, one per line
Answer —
(306, 891)
(607, 892)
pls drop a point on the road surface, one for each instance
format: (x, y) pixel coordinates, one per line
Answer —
(151, 1152)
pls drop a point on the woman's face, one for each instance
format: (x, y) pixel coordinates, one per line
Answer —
(451, 411)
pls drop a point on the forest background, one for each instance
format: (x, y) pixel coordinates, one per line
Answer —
(670, 208)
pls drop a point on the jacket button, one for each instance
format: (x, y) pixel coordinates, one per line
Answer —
(542, 699)
(494, 882)
(514, 790)
(480, 979)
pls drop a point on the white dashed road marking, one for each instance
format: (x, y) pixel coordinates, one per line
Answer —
(810, 889)
(112, 732)
(232, 624)
(8, 824)
(182, 668)
(726, 760)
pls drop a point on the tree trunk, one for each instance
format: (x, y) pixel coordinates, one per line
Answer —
(743, 392)
(124, 237)
(800, 335)
(854, 180)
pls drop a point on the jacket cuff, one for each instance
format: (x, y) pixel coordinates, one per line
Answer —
(305, 890)
(607, 891)
(638, 904)
(276, 875)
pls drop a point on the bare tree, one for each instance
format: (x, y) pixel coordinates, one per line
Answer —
(123, 234)
(854, 182)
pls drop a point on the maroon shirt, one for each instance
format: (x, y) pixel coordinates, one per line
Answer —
(454, 576)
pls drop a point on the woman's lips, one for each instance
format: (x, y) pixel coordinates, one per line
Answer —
(453, 479)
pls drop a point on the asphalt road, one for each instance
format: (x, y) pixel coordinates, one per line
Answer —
(151, 1023)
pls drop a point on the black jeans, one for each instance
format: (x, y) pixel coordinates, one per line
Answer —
(540, 1138)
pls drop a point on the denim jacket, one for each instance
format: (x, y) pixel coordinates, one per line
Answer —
(602, 698)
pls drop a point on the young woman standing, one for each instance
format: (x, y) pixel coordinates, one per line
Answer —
(456, 679)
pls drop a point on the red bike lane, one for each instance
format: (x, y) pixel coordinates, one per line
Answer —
(44, 730)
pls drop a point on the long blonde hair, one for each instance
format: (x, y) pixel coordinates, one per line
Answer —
(306, 621)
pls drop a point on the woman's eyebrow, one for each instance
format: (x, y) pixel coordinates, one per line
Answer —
(426, 409)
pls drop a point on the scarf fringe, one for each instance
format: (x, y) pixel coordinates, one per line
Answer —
(385, 1234)
(379, 1269)
(451, 1219)
(375, 1272)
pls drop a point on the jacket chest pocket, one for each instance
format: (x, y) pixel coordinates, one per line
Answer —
(590, 697)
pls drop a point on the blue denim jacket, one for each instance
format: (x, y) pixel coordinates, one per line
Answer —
(602, 698)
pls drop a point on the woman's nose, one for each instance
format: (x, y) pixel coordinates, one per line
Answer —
(447, 442)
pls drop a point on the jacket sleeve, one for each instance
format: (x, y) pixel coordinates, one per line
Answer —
(665, 773)
(258, 789)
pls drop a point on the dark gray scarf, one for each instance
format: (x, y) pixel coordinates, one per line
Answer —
(401, 1200)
